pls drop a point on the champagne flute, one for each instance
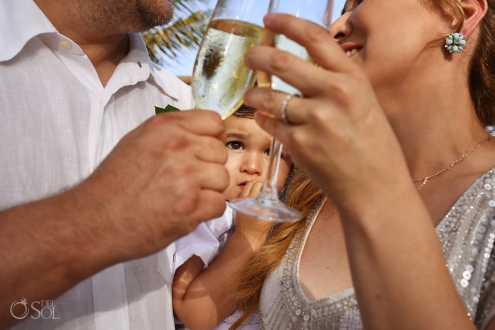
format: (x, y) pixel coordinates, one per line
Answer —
(220, 78)
(267, 205)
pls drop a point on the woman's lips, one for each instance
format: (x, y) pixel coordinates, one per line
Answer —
(351, 49)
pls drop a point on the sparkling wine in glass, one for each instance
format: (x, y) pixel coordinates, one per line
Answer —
(267, 205)
(220, 78)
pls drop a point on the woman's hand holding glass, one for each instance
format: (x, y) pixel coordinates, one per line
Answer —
(338, 132)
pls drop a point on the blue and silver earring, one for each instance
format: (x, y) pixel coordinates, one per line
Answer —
(455, 42)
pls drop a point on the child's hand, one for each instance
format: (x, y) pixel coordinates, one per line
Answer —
(251, 189)
(253, 229)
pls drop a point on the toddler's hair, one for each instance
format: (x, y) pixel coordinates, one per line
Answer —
(245, 112)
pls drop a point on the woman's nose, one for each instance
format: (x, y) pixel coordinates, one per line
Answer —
(340, 28)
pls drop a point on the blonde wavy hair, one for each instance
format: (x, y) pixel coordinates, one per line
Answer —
(303, 193)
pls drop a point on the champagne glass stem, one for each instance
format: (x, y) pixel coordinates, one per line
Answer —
(269, 191)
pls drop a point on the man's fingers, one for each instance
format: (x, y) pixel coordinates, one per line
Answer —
(211, 176)
(173, 134)
(191, 182)
(210, 149)
(211, 205)
(201, 122)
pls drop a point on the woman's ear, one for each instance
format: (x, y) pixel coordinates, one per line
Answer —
(474, 11)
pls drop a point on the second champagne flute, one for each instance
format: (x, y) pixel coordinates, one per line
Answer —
(267, 205)
(220, 78)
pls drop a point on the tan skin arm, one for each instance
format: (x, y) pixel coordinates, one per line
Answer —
(45, 249)
(151, 190)
(208, 292)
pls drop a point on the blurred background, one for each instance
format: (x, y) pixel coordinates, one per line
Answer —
(175, 45)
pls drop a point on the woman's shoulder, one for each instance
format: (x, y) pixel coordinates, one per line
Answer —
(467, 235)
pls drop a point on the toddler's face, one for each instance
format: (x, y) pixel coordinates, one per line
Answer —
(248, 148)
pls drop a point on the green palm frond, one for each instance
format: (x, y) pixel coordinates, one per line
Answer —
(182, 33)
(184, 6)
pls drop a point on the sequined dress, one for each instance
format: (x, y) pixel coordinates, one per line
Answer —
(467, 235)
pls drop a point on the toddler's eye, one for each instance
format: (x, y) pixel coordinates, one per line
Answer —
(235, 145)
(267, 152)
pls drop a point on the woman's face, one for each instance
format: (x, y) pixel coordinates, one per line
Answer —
(392, 39)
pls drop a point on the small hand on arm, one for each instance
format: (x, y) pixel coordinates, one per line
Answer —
(149, 191)
(203, 299)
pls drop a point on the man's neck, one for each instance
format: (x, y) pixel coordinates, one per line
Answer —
(105, 54)
(105, 48)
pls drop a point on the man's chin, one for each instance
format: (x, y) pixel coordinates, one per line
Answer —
(153, 14)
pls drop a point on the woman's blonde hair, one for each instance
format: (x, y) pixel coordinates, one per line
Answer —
(303, 193)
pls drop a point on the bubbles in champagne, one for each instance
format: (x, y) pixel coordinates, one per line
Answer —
(220, 77)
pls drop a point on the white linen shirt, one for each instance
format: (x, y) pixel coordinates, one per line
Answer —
(207, 240)
(57, 123)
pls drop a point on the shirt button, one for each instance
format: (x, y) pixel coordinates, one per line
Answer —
(65, 45)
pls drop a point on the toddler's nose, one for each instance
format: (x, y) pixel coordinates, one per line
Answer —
(253, 165)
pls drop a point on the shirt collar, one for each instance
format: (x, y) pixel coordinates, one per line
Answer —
(137, 66)
(20, 21)
(139, 54)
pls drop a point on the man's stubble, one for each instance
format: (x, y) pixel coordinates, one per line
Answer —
(111, 17)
